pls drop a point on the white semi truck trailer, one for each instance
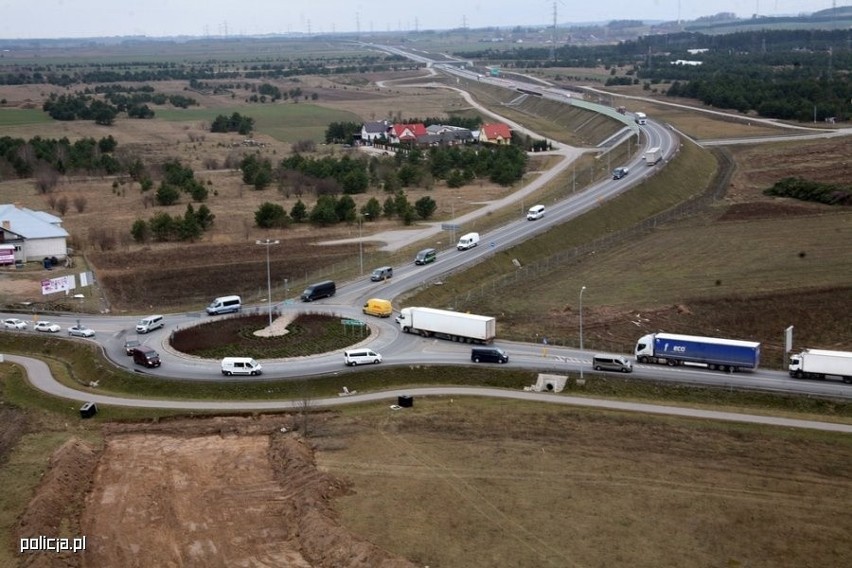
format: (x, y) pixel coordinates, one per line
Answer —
(455, 326)
(821, 363)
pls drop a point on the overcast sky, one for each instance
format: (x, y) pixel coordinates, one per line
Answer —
(96, 18)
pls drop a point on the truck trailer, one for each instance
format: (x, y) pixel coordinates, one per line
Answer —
(820, 363)
(716, 353)
(455, 326)
(640, 118)
(653, 155)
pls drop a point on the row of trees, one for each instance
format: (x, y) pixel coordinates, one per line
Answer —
(330, 210)
(457, 165)
(163, 227)
(26, 158)
(808, 190)
(234, 123)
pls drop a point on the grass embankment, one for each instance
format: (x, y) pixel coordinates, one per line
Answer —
(675, 184)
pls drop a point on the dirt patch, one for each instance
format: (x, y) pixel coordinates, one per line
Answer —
(54, 511)
(225, 491)
(14, 424)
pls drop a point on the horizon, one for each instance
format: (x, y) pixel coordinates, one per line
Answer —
(94, 19)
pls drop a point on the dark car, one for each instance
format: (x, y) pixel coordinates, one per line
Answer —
(130, 345)
(488, 355)
(145, 356)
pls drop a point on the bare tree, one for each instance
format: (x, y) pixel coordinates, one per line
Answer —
(80, 203)
(46, 179)
(51, 200)
(62, 205)
(102, 238)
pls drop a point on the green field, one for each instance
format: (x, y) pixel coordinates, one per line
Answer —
(23, 117)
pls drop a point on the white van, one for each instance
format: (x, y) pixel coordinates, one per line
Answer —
(224, 305)
(240, 366)
(535, 212)
(361, 356)
(468, 241)
(149, 324)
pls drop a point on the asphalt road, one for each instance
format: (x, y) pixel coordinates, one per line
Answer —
(402, 349)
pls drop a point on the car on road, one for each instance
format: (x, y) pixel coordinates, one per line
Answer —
(14, 323)
(47, 326)
(130, 345)
(619, 173)
(81, 331)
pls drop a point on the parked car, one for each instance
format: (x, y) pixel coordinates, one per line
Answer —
(81, 331)
(14, 323)
(130, 345)
(47, 327)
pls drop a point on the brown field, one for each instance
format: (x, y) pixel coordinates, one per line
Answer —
(452, 483)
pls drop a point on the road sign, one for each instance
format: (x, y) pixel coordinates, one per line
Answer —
(352, 322)
(450, 227)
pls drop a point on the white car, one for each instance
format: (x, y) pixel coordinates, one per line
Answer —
(81, 331)
(47, 326)
(14, 323)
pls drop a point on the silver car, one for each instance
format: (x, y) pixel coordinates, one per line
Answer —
(14, 323)
(47, 326)
(81, 331)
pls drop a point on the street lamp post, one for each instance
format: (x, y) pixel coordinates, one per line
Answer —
(267, 243)
(361, 242)
(583, 289)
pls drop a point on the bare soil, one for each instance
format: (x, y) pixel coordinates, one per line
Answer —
(447, 483)
(210, 492)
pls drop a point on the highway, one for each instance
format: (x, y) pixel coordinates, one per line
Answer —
(403, 349)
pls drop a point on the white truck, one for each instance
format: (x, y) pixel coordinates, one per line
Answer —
(455, 326)
(819, 363)
(640, 118)
(653, 155)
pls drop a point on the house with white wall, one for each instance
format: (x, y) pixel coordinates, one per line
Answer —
(34, 234)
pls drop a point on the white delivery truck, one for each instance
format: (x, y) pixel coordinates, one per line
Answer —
(455, 326)
(468, 241)
(819, 363)
(653, 155)
(641, 118)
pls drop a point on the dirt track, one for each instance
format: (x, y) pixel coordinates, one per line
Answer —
(210, 492)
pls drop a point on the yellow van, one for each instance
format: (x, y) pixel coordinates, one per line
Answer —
(379, 308)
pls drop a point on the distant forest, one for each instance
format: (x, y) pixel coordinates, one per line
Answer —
(787, 74)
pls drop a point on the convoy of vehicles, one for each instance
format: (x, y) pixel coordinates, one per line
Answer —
(821, 363)
(455, 326)
(713, 352)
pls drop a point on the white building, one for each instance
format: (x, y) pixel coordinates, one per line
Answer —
(34, 234)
